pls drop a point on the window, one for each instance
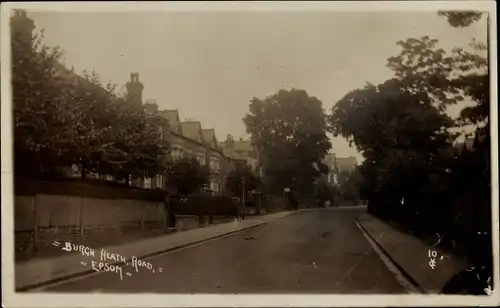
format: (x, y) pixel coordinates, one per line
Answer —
(158, 180)
(147, 183)
(160, 133)
(214, 186)
(214, 165)
(201, 160)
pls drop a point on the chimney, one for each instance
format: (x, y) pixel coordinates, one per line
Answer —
(22, 25)
(229, 142)
(134, 89)
(151, 107)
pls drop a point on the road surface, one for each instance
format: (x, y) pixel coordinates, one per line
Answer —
(316, 251)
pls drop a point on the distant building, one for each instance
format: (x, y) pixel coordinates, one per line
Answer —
(241, 151)
(347, 164)
(339, 168)
(330, 161)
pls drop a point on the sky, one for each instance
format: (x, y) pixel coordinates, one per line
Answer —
(209, 65)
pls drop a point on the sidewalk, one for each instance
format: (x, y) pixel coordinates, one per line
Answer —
(44, 271)
(411, 255)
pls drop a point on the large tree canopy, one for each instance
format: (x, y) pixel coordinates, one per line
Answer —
(63, 119)
(411, 171)
(289, 130)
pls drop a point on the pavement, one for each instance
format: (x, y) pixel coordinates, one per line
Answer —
(411, 255)
(314, 251)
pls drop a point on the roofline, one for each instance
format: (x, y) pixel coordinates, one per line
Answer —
(197, 142)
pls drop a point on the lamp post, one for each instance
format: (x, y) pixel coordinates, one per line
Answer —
(243, 198)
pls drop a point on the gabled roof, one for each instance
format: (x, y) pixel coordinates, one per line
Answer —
(346, 164)
(232, 154)
(192, 130)
(243, 146)
(239, 145)
(209, 137)
(173, 119)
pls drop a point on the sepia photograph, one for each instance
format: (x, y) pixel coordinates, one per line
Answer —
(240, 153)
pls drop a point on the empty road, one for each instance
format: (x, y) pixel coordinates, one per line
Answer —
(316, 251)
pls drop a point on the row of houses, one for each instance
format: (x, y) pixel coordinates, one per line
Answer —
(189, 138)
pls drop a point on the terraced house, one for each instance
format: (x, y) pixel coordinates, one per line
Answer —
(241, 151)
(185, 138)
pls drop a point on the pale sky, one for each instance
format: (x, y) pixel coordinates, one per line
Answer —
(210, 64)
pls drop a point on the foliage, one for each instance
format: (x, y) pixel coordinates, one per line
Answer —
(235, 180)
(43, 113)
(349, 189)
(186, 175)
(62, 119)
(289, 131)
(325, 191)
(411, 172)
(461, 19)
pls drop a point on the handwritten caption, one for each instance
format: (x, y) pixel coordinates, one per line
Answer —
(108, 261)
(433, 258)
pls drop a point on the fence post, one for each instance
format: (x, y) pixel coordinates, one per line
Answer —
(36, 223)
(82, 224)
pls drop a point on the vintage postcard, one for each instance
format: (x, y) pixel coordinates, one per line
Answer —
(250, 154)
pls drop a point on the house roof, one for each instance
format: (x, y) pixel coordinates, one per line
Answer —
(243, 146)
(240, 145)
(230, 153)
(210, 138)
(192, 130)
(346, 164)
(208, 135)
(172, 117)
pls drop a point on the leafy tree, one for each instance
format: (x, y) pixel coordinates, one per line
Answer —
(289, 130)
(62, 119)
(95, 122)
(325, 191)
(186, 175)
(400, 134)
(235, 180)
(139, 148)
(461, 19)
(410, 172)
(44, 114)
(350, 188)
